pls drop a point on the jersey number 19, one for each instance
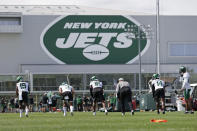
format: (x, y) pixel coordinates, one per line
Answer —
(22, 85)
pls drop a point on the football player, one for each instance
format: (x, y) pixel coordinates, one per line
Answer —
(22, 91)
(123, 91)
(67, 92)
(186, 88)
(158, 89)
(96, 92)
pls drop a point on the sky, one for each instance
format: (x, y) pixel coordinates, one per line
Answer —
(183, 7)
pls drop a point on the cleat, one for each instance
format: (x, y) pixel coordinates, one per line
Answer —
(72, 114)
(106, 113)
(186, 112)
(123, 114)
(164, 112)
(191, 112)
(158, 112)
(132, 113)
(26, 115)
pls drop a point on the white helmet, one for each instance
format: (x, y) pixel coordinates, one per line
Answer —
(121, 79)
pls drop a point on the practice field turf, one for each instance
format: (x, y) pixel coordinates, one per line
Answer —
(85, 121)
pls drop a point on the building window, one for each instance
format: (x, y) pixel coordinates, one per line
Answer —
(182, 49)
(10, 21)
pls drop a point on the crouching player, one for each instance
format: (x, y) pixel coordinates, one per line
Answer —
(96, 92)
(158, 88)
(123, 91)
(67, 92)
(22, 91)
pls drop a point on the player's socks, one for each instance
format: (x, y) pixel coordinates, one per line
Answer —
(132, 112)
(94, 113)
(123, 114)
(64, 109)
(20, 112)
(191, 112)
(106, 113)
(71, 110)
(26, 112)
(186, 112)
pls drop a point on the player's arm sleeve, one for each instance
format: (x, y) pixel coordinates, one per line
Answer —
(153, 90)
(117, 88)
(28, 88)
(118, 91)
(16, 91)
(91, 89)
(150, 85)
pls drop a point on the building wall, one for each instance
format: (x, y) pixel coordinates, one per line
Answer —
(22, 51)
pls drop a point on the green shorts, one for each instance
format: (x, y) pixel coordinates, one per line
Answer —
(187, 94)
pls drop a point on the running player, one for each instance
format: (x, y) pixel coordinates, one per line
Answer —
(158, 89)
(67, 92)
(96, 92)
(186, 88)
(123, 91)
(22, 91)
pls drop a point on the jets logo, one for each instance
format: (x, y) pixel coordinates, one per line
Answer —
(87, 39)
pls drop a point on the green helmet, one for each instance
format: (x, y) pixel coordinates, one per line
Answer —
(182, 69)
(156, 76)
(19, 78)
(64, 83)
(93, 78)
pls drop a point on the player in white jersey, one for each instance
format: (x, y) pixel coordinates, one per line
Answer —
(158, 89)
(96, 92)
(67, 92)
(123, 91)
(22, 91)
(186, 88)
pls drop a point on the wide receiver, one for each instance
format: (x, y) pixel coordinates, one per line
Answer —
(67, 92)
(158, 89)
(22, 91)
(96, 92)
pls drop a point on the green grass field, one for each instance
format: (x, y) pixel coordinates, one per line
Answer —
(85, 121)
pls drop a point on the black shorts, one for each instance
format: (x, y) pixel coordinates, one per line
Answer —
(125, 93)
(98, 95)
(67, 96)
(16, 105)
(31, 102)
(159, 93)
(54, 103)
(25, 98)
